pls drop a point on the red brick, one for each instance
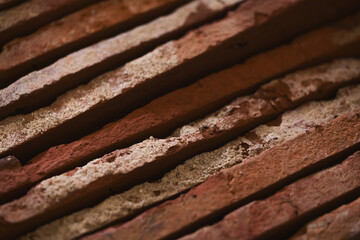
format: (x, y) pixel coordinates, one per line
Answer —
(32, 14)
(186, 104)
(61, 37)
(238, 184)
(174, 64)
(277, 215)
(126, 167)
(342, 223)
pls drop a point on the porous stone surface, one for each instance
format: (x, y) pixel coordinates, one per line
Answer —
(115, 169)
(94, 21)
(32, 12)
(199, 168)
(342, 223)
(185, 104)
(272, 217)
(88, 20)
(119, 86)
(17, 95)
(240, 182)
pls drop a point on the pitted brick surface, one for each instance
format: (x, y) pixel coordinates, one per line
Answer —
(342, 223)
(119, 86)
(276, 213)
(197, 169)
(240, 182)
(95, 23)
(34, 12)
(187, 103)
(17, 95)
(88, 21)
(152, 156)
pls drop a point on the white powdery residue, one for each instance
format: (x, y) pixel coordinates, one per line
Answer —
(156, 62)
(199, 168)
(306, 81)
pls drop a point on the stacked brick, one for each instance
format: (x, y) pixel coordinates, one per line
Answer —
(235, 119)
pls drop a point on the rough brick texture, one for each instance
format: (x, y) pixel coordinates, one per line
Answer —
(237, 184)
(187, 104)
(29, 15)
(123, 168)
(89, 62)
(342, 223)
(94, 23)
(172, 64)
(276, 215)
(200, 167)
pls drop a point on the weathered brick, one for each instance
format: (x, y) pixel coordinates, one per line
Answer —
(277, 215)
(199, 168)
(176, 63)
(238, 184)
(125, 167)
(32, 14)
(96, 22)
(186, 104)
(342, 223)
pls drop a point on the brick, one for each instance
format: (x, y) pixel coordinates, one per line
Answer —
(342, 223)
(277, 215)
(94, 23)
(239, 184)
(173, 64)
(87, 63)
(184, 105)
(199, 168)
(125, 167)
(28, 16)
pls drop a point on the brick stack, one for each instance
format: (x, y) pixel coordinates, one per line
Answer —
(163, 119)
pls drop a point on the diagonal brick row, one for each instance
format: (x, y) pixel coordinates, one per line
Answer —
(176, 57)
(280, 214)
(122, 168)
(199, 168)
(32, 14)
(93, 23)
(185, 104)
(87, 63)
(240, 184)
(173, 64)
(342, 223)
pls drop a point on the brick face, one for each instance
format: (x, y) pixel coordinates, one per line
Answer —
(93, 23)
(31, 14)
(274, 216)
(342, 223)
(238, 183)
(185, 104)
(173, 64)
(200, 167)
(192, 119)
